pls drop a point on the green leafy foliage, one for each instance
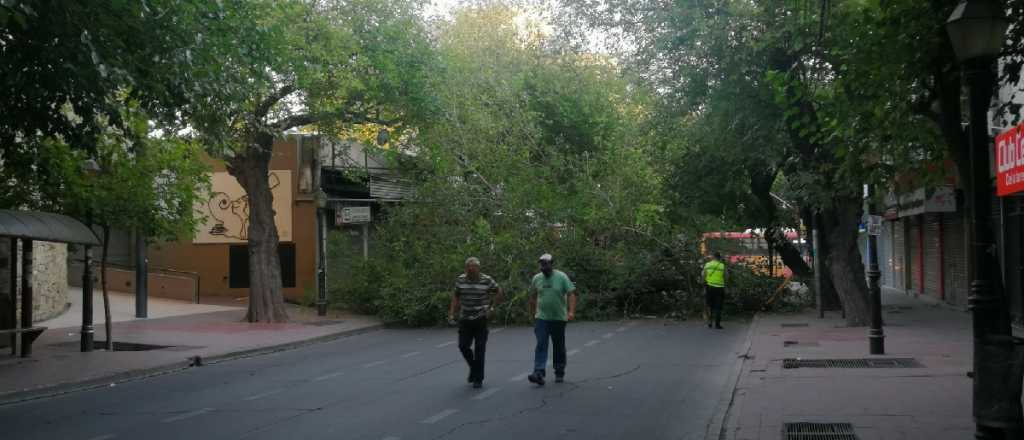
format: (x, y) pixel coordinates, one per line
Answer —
(533, 151)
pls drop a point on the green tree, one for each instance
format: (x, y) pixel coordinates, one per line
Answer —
(83, 81)
(281, 65)
(146, 184)
(86, 59)
(532, 150)
(828, 86)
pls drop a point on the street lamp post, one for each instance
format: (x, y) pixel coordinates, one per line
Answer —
(977, 31)
(876, 336)
(86, 336)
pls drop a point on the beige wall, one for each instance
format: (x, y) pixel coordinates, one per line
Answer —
(210, 261)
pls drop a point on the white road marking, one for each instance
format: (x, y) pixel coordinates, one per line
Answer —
(439, 416)
(486, 394)
(328, 376)
(262, 395)
(573, 352)
(103, 437)
(498, 330)
(409, 355)
(187, 415)
(608, 335)
(373, 364)
(621, 329)
(520, 377)
(592, 343)
(445, 344)
(632, 324)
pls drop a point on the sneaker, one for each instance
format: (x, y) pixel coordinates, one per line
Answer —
(536, 378)
(719, 326)
(478, 384)
(709, 325)
(559, 379)
(470, 378)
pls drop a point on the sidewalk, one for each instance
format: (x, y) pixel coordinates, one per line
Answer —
(185, 331)
(933, 402)
(122, 308)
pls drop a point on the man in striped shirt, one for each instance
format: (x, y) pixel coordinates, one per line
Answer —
(472, 297)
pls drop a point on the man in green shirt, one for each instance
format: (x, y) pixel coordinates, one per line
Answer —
(713, 277)
(552, 304)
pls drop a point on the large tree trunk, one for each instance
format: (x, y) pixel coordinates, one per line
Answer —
(107, 325)
(791, 257)
(251, 169)
(843, 258)
(775, 235)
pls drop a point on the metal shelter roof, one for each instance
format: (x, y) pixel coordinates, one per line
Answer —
(45, 226)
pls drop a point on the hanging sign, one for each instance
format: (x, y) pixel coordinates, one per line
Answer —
(875, 225)
(353, 215)
(1010, 161)
(935, 199)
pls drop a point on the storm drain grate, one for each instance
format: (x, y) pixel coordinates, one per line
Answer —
(818, 431)
(800, 343)
(852, 363)
(123, 346)
(325, 322)
(795, 324)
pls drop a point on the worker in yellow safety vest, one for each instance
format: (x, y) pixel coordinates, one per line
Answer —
(713, 277)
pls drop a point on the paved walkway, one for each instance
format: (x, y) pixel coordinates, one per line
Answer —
(122, 308)
(186, 330)
(933, 402)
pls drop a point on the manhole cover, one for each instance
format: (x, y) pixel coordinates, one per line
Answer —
(818, 431)
(795, 324)
(852, 363)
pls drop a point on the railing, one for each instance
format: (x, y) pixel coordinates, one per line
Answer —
(194, 276)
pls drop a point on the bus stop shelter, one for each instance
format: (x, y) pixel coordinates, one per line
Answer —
(27, 227)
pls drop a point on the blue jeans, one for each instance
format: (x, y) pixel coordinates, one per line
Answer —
(555, 330)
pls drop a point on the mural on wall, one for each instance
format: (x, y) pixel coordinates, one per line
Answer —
(227, 209)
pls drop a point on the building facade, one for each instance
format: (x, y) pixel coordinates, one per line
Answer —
(925, 248)
(215, 263)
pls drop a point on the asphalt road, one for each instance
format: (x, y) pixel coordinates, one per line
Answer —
(641, 379)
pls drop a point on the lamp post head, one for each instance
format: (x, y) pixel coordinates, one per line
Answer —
(977, 29)
(90, 167)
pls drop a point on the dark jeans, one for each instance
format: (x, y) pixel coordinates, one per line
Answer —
(714, 297)
(473, 345)
(555, 330)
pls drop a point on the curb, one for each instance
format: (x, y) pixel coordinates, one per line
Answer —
(46, 392)
(716, 429)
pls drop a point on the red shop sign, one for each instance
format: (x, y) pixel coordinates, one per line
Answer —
(1010, 161)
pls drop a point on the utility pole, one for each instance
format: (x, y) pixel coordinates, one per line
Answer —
(817, 265)
(141, 276)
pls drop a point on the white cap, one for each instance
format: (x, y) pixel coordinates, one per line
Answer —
(546, 257)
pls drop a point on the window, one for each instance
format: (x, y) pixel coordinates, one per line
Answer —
(238, 265)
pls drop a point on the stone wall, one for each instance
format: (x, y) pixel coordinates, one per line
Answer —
(49, 280)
